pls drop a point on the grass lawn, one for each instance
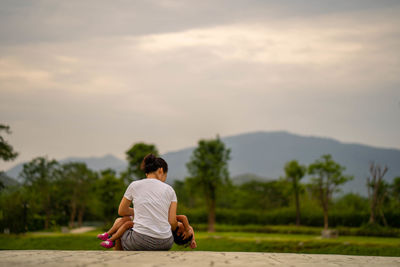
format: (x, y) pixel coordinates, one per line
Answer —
(308, 230)
(223, 241)
(294, 243)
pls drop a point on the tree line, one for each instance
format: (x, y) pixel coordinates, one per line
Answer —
(209, 180)
(54, 194)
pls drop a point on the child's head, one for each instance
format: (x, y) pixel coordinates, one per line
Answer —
(178, 239)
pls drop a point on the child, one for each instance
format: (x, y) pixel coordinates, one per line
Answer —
(183, 234)
(119, 227)
(183, 237)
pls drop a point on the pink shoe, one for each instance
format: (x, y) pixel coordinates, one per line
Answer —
(107, 244)
(103, 236)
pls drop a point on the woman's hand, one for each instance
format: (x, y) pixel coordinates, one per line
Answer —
(188, 233)
(185, 233)
(193, 244)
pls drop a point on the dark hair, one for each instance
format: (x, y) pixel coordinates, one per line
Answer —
(178, 239)
(152, 163)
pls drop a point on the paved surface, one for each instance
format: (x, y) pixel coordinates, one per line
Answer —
(179, 258)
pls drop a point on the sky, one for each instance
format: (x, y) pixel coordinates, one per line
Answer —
(89, 78)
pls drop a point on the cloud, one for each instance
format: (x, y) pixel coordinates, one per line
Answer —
(92, 92)
(12, 72)
(256, 43)
(61, 21)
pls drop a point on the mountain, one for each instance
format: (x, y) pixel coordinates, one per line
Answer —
(247, 177)
(263, 154)
(94, 163)
(7, 181)
(100, 163)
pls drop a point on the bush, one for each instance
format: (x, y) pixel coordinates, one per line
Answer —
(346, 218)
(377, 230)
(286, 216)
(393, 218)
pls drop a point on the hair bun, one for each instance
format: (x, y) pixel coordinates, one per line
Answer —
(150, 159)
(148, 163)
(152, 163)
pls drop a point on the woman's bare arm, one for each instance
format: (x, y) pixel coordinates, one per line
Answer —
(125, 207)
(172, 215)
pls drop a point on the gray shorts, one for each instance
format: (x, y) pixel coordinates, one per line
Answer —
(132, 240)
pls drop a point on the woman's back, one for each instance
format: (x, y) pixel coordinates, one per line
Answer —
(151, 202)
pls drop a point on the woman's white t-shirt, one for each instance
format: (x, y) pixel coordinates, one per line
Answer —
(151, 201)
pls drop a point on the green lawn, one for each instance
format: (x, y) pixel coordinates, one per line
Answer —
(223, 241)
(308, 230)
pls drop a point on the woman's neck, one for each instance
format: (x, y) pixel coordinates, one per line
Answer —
(152, 176)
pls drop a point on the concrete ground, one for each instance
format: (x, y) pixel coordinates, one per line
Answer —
(183, 258)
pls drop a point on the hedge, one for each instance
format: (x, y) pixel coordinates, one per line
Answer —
(286, 217)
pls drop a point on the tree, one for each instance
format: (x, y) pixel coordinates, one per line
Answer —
(186, 193)
(76, 186)
(294, 173)
(135, 156)
(7, 152)
(377, 191)
(262, 196)
(328, 177)
(208, 167)
(40, 175)
(110, 190)
(13, 210)
(396, 189)
(352, 203)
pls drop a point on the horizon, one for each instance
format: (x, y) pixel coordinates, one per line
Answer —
(15, 164)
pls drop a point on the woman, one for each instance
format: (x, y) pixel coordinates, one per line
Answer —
(154, 211)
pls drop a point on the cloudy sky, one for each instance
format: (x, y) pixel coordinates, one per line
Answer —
(87, 78)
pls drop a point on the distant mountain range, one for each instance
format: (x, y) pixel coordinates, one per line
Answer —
(7, 181)
(263, 154)
(94, 163)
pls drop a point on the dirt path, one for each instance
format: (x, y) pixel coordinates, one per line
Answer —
(82, 230)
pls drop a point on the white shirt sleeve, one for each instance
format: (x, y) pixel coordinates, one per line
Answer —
(129, 192)
(173, 196)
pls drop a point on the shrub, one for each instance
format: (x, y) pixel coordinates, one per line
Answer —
(286, 216)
